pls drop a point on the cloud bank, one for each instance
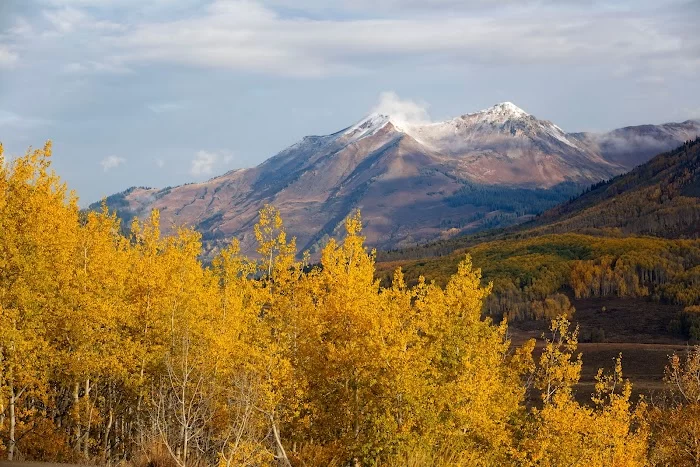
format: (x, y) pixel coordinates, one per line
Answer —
(256, 36)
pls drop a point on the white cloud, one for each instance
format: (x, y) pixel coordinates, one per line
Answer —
(402, 6)
(114, 4)
(68, 19)
(95, 67)
(402, 110)
(205, 162)
(248, 35)
(21, 28)
(111, 162)
(8, 58)
(160, 163)
(65, 20)
(256, 36)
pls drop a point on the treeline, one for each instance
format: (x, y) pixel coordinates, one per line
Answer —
(519, 201)
(527, 272)
(119, 349)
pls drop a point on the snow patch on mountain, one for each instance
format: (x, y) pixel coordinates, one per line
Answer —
(368, 126)
(500, 113)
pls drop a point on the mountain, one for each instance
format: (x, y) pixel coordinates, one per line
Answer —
(504, 145)
(659, 198)
(413, 182)
(632, 239)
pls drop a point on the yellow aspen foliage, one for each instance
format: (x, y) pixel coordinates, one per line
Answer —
(133, 349)
(675, 423)
(559, 370)
(611, 432)
(272, 240)
(239, 348)
(36, 221)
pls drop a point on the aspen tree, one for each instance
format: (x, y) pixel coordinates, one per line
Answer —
(564, 432)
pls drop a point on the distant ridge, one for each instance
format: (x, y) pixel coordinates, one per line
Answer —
(659, 198)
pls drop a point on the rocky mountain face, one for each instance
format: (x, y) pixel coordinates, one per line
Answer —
(413, 183)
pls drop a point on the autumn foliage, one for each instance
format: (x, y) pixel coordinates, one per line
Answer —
(128, 349)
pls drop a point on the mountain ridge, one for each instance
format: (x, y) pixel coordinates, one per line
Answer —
(658, 198)
(414, 182)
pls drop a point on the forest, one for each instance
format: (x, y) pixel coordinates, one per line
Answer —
(513, 203)
(119, 349)
(531, 275)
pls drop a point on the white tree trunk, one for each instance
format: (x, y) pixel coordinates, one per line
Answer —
(13, 423)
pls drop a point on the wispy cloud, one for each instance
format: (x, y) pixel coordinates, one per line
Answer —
(247, 35)
(205, 162)
(107, 67)
(111, 162)
(404, 111)
(21, 28)
(65, 20)
(68, 19)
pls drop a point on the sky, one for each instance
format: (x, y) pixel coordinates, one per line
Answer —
(164, 92)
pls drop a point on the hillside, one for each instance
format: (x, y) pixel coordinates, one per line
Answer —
(660, 198)
(632, 237)
(413, 183)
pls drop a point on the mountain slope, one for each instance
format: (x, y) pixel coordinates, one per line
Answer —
(505, 145)
(633, 145)
(413, 183)
(660, 198)
(633, 238)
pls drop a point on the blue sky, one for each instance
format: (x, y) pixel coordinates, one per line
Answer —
(163, 92)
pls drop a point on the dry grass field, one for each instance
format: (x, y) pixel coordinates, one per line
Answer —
(636, 328)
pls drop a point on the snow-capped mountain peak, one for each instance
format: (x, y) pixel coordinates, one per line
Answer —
(368, 126)
(496, 115)
(500, 113)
